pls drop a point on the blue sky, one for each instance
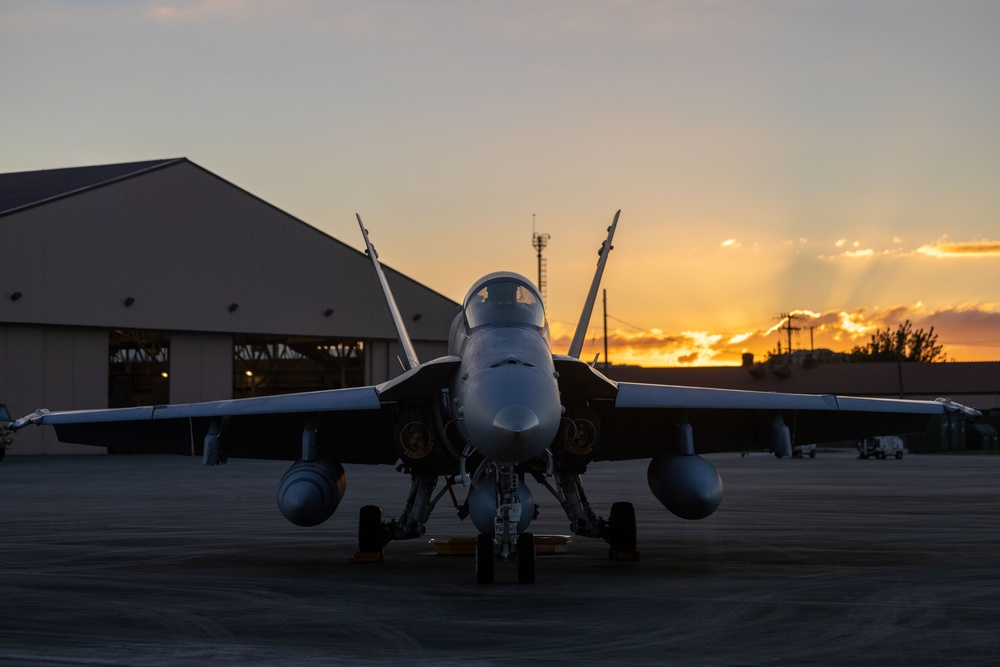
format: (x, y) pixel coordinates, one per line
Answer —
(836, 158)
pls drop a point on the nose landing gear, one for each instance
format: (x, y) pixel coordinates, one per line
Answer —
(486, 556)
(502, 510)
(484, 559)
(526, 558)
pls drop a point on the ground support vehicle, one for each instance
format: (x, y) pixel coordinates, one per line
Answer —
(881, 447)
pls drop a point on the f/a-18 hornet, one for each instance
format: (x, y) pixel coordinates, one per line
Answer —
(500, 408)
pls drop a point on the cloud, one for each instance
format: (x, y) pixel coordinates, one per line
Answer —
(648, 348)
(865, 253)
(853, 250)
(963, 249)
(868, 252)
(974, 325)
(845, 249)
(196, 11)
(853, 325)
(940, 249)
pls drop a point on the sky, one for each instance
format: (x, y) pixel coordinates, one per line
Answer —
(839, 161)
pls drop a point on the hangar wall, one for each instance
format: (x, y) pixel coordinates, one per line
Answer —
(201, 367)
(167, 246)
(67, 368)
(56, 367)
(50, 366)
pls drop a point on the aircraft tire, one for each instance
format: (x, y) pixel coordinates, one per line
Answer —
(370, 530)
(484, 559)
(526, 558)
(622, 536)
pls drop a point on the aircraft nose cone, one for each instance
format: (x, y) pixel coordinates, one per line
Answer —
(515, 425)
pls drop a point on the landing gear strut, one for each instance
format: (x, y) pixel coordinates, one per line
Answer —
(374, 533)
(619, 528)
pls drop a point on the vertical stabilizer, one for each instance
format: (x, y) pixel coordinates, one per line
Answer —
(576, 347)
(404, 338)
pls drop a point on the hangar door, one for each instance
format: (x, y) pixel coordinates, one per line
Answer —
(268, 365)
(138, 368)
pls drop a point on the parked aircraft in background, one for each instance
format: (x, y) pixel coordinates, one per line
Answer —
(501, 408)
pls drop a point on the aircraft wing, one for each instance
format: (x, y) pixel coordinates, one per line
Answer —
(642, 420)
(353, 425)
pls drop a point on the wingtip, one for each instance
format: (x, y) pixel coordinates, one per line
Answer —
(952, 406)
(34, 418)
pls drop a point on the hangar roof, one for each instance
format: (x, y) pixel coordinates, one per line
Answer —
(23, 189)
(169, 245)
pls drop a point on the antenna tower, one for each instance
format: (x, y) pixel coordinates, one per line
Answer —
(538, 242)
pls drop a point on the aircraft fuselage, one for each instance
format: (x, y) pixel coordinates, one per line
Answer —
(505, 395)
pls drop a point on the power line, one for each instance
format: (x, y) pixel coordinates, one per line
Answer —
(651, 333)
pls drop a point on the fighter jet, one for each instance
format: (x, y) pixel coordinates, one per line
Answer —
(498, 410)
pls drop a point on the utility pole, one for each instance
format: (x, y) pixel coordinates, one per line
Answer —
(538, 242)
(606, 362)
(789, 328)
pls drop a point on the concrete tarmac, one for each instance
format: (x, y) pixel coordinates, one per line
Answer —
(152, 560)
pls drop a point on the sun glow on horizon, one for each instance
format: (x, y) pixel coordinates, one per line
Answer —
(959, 329)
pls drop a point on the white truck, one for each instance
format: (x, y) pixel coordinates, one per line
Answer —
(881, 447)
(802, 451)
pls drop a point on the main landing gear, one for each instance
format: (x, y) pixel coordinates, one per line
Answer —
(620, 532)
(371, 538)
(374, 533)
(618, 529)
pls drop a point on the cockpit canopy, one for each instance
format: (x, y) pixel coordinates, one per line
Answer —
(504, 298)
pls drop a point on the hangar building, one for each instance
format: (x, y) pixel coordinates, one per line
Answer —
(154, 282)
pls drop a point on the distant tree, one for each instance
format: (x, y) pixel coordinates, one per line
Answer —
(903, 344)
